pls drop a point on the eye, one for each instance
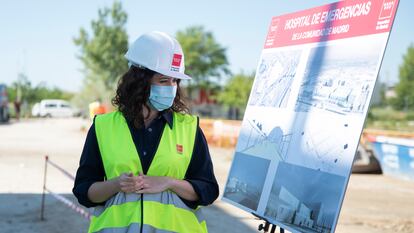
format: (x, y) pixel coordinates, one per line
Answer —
(167, 80)
(163, 80)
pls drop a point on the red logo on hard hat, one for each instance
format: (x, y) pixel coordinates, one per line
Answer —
(176, 60)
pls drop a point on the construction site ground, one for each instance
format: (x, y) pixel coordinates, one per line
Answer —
(373, 203)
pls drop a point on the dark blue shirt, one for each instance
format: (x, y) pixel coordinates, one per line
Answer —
(199, 174)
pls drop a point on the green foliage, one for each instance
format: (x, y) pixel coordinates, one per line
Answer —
(410, 116)
(390, 119)
(404, 89)
(382, 98)
(93, 89)
(23, 91)
(236, 92)
(205, 59)
(385, 114)
(102, 53)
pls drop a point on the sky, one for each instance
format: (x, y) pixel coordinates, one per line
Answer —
(36, 37)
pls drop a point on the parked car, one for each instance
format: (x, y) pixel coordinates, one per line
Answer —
(52, 108)
(4, 102)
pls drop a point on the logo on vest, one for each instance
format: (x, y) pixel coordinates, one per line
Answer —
(179, 148)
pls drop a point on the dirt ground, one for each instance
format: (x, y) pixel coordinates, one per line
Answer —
(373, 203)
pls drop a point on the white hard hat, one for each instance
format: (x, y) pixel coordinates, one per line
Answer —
(158, 52)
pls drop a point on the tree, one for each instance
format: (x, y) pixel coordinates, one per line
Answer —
(23, 91)
(102, 53)
(205, 59)
(404, 89)
(235, 93)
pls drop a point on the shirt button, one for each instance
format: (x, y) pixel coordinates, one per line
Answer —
(149, 129)
(145, 153)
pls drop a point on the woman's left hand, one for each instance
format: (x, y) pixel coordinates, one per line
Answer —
(158, 184)
(153, 184)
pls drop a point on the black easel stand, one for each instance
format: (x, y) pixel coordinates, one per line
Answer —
(266, 225)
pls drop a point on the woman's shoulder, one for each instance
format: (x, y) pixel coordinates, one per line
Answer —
(114, 116)
(109, 115)
(186, 117)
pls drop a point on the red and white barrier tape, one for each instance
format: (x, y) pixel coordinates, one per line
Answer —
(61, 169)
(63, 199)
(71, 205)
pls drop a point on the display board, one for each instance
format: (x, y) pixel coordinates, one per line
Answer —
(306, 111)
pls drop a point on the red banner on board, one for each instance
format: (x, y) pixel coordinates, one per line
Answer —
(331, 22)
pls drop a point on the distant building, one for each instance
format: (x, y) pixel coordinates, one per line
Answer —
(390, 92)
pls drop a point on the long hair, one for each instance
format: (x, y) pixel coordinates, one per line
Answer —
(133, 92)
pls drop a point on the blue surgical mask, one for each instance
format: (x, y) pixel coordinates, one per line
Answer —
(162, 97)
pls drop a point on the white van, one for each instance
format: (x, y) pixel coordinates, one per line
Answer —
(52, 108)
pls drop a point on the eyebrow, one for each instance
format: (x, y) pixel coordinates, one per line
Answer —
(162, 76)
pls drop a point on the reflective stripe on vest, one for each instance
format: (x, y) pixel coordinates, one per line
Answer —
(162, 212)
(166, 205)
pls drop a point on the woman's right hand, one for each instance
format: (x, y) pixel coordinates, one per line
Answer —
(101, 191)
(128, 183)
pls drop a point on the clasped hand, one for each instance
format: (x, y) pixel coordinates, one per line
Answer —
(129, 183)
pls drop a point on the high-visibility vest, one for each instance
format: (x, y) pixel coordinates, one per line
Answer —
(161, 212)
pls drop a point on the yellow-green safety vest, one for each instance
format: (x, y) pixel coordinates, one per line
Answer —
(156, 213)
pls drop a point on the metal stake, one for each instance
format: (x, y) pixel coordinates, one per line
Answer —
(42, 210)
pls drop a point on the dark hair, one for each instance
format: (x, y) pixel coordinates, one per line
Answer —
(133, 92)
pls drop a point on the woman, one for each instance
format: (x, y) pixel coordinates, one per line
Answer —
(146, 167)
